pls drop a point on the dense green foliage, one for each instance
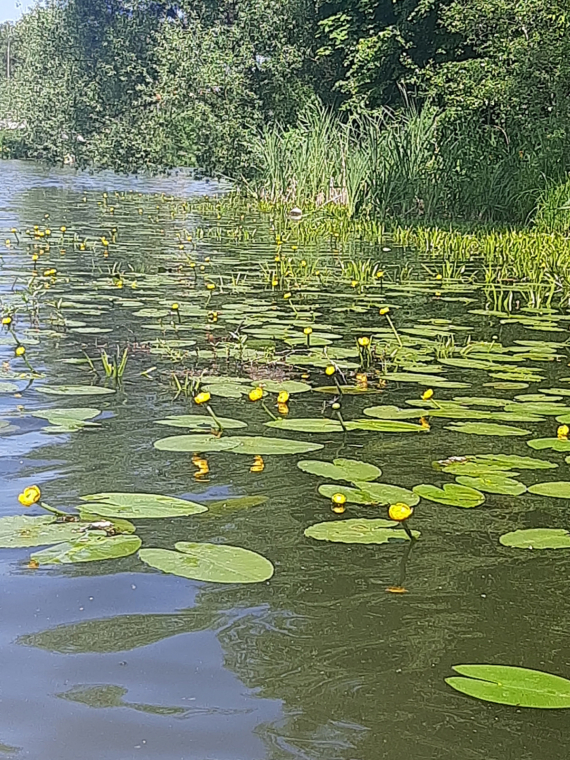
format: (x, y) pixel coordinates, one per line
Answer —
(437, 110)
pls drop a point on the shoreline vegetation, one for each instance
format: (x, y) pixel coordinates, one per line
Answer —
(445, 124)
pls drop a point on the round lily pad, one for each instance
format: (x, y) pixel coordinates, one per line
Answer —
(358, 531)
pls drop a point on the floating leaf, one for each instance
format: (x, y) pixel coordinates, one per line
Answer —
(141, 505)
(225, 390)
(537, 538)
(493, 483)
(200, 422)
(371, 493)
(56, 416)
(276, 386)
(481, 401)
(236, 444)
(74, 390)
(557, 444)
(557, 489)
(540, 408)
(307, 425)
(195, 443)
(485, 428)
(508, 685)
(22, 531)
(210, 562)
(90, 548)
(386, 426)
(387, 412)
(341, 469)
(508, 461)
(358, 531)
(451, 494)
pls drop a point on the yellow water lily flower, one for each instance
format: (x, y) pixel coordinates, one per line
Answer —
(330, 370)
(20, 351)
(286, 295)
(384, 310)
(7, 321)
(175, 307)
(256, 394)
(562, 432)
(210, 286)
(308, 330)
(283, 397)
(338, 503)
(400, 512)
(29, 496)
(202, 398)
(364, 342)
(426, 395)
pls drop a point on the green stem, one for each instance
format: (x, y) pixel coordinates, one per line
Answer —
(268, 411)
(53, 510)
(213, 416)
(341, 420)
(394, 330)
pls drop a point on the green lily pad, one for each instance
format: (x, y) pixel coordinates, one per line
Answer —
(306, 425)
(537, 538)
(508, 461)
(22, 531)
(451, 494)
(134, 506)
(506, 685)
(358, 531)
(74, 390)
(371, 493)
(557, 489)
(254, 445)
(200, 422)
(225, 390)
(276, 386)
(386, 426)
(91, 548)
(485, 428)
(56, 416)
(557, 444)
(481, 401)
(341, 469)
(387, 412)
(540, 408)
(217, 563)
(493, 483)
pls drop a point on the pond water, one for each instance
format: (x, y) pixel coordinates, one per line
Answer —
(342, 654)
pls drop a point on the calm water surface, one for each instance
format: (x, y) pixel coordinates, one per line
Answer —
(114, 660)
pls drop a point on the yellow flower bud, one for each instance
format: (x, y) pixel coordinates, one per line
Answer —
(286, 295)
(210, 286)
(175, 307)
(364, 342)
(399, 512)
(7, 321)
(384, 310)
(426, 395)
(29, 496)
(62, 229)
(562, 432)
(338, 498)
(308, 330)
(202, 398)
(330, 370)
(20, 351)
(256, 394)
(283, 397)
